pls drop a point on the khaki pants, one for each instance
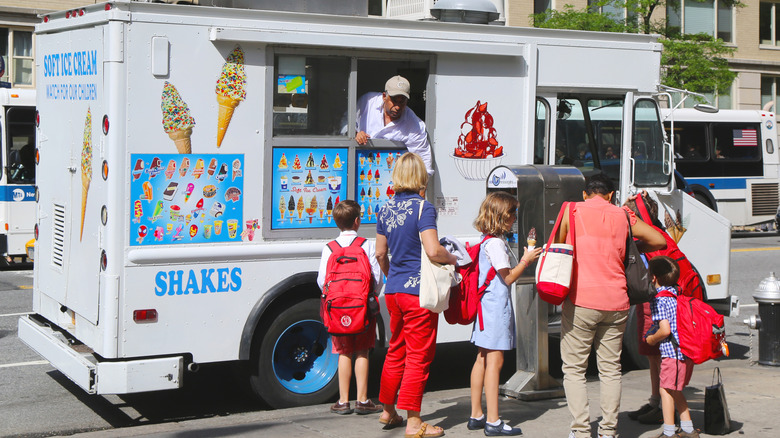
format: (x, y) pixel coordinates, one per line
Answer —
(581, 330)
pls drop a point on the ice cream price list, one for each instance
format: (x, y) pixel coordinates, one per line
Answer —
(374, 185)
(307, 184)
(186, 198)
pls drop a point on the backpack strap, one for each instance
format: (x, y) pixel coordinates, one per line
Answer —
(491, 274)
(643, 213)
(665, 293)
(334, 245)
(554, 231)
(357, 241)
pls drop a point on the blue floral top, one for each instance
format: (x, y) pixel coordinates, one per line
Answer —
(397, 221)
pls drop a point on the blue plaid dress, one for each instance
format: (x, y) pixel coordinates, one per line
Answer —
(666, 308)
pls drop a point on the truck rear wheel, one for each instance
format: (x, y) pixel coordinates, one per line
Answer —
(293, 363)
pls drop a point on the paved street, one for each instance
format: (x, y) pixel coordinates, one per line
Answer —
(37, 401)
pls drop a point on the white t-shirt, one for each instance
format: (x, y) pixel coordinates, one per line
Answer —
(496, 252)
(344, 239)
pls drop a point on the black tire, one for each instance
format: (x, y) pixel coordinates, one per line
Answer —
(631, 343)
(292, 364)
(703, 195)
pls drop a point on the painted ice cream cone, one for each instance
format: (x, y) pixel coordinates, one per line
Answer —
(177, 121)
(182, 140)
(86, 168)
(230, 90)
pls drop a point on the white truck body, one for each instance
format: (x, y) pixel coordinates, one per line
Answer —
(246, 292)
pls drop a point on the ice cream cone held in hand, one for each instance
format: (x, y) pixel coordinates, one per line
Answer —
(86, 167)
(231, 90)
(177, 120)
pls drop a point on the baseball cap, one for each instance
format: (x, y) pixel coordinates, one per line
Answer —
(397, 85)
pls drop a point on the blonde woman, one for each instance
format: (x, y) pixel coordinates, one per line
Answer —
(413, 342)
(496, 332)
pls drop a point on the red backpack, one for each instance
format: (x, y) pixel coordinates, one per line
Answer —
(348, 302)
(700, 328)
(690, 281)
(466, 297)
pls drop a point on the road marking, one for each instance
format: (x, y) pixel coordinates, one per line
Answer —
(15, 314)
(771, 248)
(24, 364)
(25, 287)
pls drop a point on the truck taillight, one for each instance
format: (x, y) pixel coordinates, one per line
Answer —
(67, 14)
(103, 260)
(37, 156)
(81, 12)
(145, 315)
(37, 119)
(105, 125)
(35, 231)
(37, 194)
(104, 170)
(109, 6)
(46, 19)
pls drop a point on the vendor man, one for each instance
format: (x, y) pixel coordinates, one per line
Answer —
(385, 115)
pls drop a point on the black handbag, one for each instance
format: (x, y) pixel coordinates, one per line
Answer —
(717, 420)
(639, 286)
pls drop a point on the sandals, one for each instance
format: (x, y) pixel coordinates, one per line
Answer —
(392, 423)
(435, 431)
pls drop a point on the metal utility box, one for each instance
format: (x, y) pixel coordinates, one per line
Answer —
(540, 190)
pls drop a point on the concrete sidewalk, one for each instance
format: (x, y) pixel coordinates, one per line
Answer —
(752, 393)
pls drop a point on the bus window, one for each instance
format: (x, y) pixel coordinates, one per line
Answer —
(20, 144)
(690, 141)
(651, 165)
(606, 115)
(540, 134)
(736, 141)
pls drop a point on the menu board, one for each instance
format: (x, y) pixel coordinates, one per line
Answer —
(186, 198)
(373, 180)
(307, 184)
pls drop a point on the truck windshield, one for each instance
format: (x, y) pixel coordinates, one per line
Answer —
(651, 161)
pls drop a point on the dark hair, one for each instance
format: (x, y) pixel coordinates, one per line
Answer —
(345, 213)
(665, 270)
(652, 209)
(599, 184)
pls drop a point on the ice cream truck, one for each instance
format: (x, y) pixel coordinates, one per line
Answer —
(190, 158)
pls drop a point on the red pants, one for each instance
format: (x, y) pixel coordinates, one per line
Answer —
(411, 351)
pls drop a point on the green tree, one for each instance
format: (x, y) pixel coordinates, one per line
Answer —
(694, 62)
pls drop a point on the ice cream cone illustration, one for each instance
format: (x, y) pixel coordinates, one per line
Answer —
(86, 167)
(299, 207)
(177, 120)
(282, 207)
(329, 207)
(674, 228)
(291, 208)
(230, 90)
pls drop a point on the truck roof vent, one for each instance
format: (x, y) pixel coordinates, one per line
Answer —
(465, 11)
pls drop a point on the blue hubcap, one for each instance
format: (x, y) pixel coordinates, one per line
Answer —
(302, 360)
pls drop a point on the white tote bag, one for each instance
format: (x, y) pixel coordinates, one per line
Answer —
(435, 281)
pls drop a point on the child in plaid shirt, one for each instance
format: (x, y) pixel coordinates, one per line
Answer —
(676, 369)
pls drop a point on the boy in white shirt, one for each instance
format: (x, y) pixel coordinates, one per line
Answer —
(347, 216)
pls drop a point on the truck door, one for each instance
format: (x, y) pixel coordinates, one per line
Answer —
(19, 169)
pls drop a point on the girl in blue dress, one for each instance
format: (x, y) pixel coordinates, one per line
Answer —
(497, 214)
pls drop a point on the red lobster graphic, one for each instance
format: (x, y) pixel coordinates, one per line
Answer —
(480, 141)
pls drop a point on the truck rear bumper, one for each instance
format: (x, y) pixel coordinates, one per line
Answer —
(94, 375)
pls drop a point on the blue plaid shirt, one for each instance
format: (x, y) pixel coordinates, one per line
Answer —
(666, 308)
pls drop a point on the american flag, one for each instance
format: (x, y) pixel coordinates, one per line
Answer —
(745, 137)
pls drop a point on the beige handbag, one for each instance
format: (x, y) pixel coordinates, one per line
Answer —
(435, 280)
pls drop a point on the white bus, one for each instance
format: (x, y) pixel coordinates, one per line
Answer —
(17, 184)
(731, 154)
(149, 284)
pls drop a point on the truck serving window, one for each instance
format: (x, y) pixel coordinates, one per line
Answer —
(310, 94)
